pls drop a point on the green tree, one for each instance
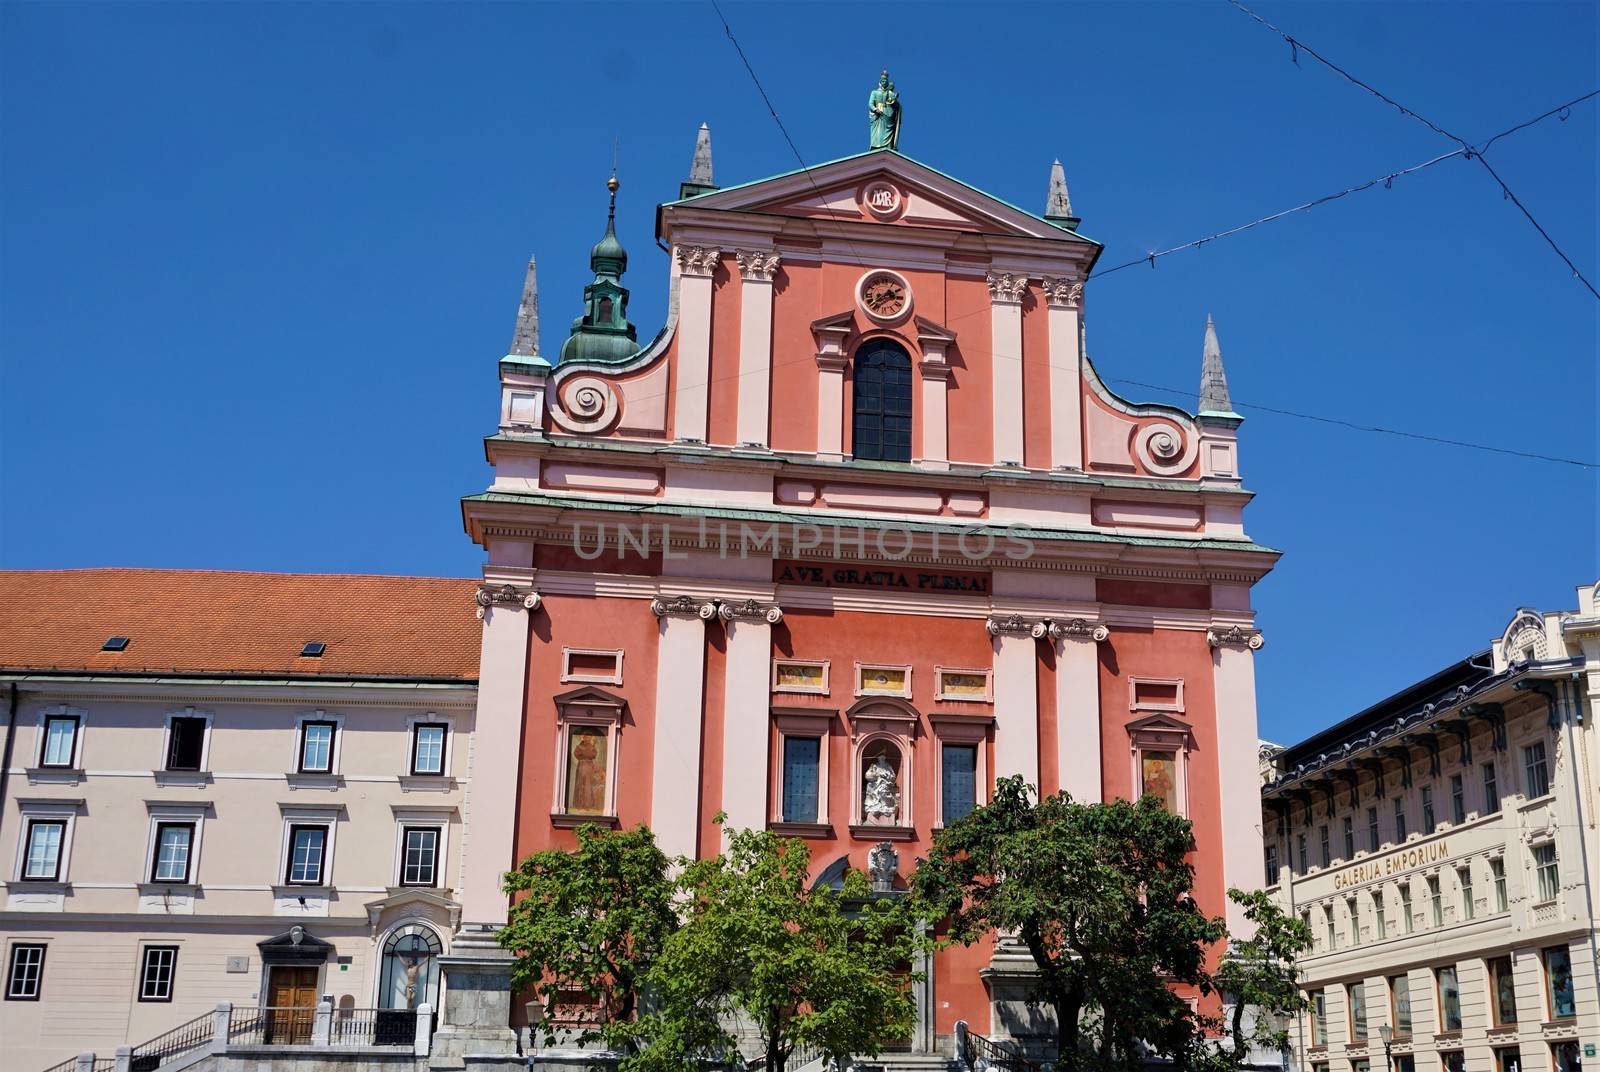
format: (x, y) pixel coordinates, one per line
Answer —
(586, 925)
(1259, 977)
(1101, 896)
(807, 968)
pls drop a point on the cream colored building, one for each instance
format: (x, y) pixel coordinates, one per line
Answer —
(1441, 845)
(215, 809)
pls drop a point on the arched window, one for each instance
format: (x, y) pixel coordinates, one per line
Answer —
(882, 420)
(410, 968)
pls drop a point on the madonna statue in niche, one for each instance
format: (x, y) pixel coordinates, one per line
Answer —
(880, 798)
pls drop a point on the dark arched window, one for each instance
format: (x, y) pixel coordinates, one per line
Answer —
(882, 421)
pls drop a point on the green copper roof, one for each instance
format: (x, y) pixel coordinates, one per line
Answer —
(604, 332)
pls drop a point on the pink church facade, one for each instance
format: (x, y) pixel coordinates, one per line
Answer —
(859, 532)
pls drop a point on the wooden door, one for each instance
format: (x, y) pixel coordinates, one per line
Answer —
(291, 1004)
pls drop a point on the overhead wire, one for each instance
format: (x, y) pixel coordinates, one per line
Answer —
(1298, 46)
(1150, 258)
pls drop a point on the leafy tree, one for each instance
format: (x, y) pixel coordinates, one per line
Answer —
(1258, 974)
(1100, 894)
(822, 969)
(586, 925)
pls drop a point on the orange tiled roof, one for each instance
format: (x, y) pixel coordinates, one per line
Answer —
(220, 622)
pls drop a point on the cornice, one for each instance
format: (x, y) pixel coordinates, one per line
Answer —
(276, 691)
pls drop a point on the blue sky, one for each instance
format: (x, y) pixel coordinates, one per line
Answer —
(257, 262)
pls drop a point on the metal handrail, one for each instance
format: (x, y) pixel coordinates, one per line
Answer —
(973, 1048)
(180, 1040)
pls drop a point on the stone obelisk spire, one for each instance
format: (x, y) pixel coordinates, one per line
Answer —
(1058, 205)
(525, 340)
(699, 180)
(1213, 382)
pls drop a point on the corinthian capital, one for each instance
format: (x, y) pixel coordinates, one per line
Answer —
(758, 265)
(1062, 293)
(698, 260)
(1007, 286)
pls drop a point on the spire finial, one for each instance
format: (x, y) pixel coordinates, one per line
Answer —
(699, 180)
(1057, 204)
(525, 340)
(1213, 382)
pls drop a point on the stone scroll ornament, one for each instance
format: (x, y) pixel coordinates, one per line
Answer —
(504, 595)
(683, 607)
(1235, 636)
(750, 610)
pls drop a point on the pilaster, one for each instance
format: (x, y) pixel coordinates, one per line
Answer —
(744, 721)
(696, 266)
(933, 450)
(1016, 695)
(1077, 642)
(504, 606)
(1234, 679)
(680, 690)
(755, 345)
(1006, 291)
(1065, 301)
(830, 334)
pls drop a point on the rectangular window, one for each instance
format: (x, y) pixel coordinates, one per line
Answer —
(1497, 871)
(1453, 1061)
(1271, 877)
(1300, 844)
(1327, 916)
(1458, 800)
(1508, 1059)
(1449, 1000)
(1322, 834)
(427, 747)
(156, 971)
(1491, 790)
(60, 741)
(42, 861)
(1407, 920)
(1435, 901)
(1427, 810)
(186, 741)
(1359, 1012)
(1502, 992)
(1544, 866)
(316, 747)
(1400, 830)
(1319, 1018)
(25, 974)
(1349, 838)
(1405, 1062)
(419, 866)
(1372, 830)
(959, 788)
(308, 846)
(1355, 920)
(1400, 1003)
(1464, 876)
(801, 761)
(1564, 1057)
(174, 842)
(1379, 921)
(1360, 1064)
(1536, 773)
(1558, 982)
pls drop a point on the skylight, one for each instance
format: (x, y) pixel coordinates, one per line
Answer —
(116, 643)
(313, 649)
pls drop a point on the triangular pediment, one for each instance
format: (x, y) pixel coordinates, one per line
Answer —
(884, 187)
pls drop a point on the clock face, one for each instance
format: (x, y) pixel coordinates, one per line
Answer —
(884, 297)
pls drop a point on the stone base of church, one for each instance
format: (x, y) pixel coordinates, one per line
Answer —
(475, 1031)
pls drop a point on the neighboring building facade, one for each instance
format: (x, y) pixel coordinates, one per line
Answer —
(1441, 846)
(859, 532)
(199, 806)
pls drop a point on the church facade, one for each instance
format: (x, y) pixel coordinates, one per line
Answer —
(858, 532)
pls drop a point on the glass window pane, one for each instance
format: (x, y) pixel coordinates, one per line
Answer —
(155, 976)
(305, 854)
(587, 759)
(44, 850)
(959, 788)
(801, 760)
(1449, 1000)
(1558, 978)
(59, 736)
(316, 751)
(172, 852)
(421, 856)
(428, 750)
(1400, 987)
(25, 973)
